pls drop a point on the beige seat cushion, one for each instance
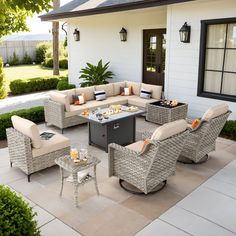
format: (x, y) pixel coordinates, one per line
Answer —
(137, 146)
(69, 93)
(169, 129)
(61, 98)
(135, 87)
(29, 129)
(108, 88)
(138, 101)
(156, 90)
(115, 100)
(117, 86)
(215, 111)
(87, 91)
(55, 143)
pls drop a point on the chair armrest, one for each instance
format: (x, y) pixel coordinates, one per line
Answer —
(126, 157)
(146, 134)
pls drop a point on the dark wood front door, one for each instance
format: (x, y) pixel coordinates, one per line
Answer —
(154, 48)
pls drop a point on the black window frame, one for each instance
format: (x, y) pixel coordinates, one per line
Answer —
(202, 60)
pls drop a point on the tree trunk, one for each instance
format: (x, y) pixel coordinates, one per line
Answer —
(55, 33)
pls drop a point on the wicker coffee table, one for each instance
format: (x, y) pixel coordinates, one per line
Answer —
(161, 115)
(67, 164)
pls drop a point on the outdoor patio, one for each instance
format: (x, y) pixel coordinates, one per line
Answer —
(211, 207)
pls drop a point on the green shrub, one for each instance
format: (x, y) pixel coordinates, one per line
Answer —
(2, 81)
(95, 74)
(16, 216)
(63, 63)
(35, 114)
(14, 60)
(22, 86)
(64, 85)
(229, 130)
(27, 59)
(41, 50)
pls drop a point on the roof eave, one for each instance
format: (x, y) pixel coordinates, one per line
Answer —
(109, 9)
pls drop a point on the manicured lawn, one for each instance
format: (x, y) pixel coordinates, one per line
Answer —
(29, 71)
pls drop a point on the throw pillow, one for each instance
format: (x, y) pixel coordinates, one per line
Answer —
(145, 147)
(195, 123)
(145, 93)
(100, 95)
(126, 91)
(79, 99)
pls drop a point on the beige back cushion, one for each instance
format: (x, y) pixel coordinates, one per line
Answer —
(108, 88)
(69, 93)
(156, 90)
(169, 129)
(27, 128)
(135, 87)
(61, 98)
(87, 91)
(215, 111)
(117, 86)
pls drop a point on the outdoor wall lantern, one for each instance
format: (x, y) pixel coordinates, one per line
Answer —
(123, 35)
(184, 33)
(76, 35)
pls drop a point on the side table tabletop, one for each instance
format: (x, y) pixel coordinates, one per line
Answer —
(67, 164)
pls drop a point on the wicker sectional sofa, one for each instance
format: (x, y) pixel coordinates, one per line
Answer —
(62, 113)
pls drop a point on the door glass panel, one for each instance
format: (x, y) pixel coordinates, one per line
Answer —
(231, 37)
(151, 45)
(163, 53)
(212, 81)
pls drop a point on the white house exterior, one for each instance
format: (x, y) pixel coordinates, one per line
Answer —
(99, 39)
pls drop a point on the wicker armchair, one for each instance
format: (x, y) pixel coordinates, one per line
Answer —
(201, 140)
(29, 159)
(146, 170)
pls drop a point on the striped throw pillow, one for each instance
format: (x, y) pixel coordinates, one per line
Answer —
(100, 95)
(144, 93)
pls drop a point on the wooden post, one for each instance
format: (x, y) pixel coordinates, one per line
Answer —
(55, 33)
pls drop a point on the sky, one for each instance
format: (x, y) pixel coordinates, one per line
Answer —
(40, 27)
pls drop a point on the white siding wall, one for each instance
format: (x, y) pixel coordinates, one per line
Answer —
(100, 40)
(183, 59)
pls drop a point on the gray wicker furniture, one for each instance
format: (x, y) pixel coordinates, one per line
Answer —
(20, 151)
(161, 115)
(201, 140)
(147, 170)
(65, 163)
(61, 112)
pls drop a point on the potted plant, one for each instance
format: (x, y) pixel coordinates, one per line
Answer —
(16, 216)
(95, 74)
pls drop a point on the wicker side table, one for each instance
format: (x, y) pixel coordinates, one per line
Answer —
(65, 163)
(161, 115)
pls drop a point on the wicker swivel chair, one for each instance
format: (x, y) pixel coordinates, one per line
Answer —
(201, 140)
(148, 168)
(28, 151)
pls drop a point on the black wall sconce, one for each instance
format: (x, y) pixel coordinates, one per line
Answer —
(123, 35)
(76, 35)
(184, 33)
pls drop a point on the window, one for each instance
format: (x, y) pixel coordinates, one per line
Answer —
(217, 65)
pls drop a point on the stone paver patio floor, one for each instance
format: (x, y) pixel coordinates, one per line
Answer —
(182, 208)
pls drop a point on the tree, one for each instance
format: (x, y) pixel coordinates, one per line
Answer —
(55, 33)
(13, 14)
(2, 81)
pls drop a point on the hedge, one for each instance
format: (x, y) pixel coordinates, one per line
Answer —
(229, 130)
(35, 114)
(22, 86)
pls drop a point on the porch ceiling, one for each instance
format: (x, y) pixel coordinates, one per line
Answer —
(77, 8)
